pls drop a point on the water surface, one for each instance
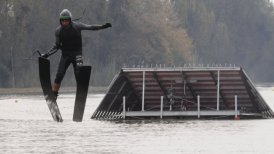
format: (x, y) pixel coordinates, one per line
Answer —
(26, 126)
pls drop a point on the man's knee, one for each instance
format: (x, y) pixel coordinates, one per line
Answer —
(79, 60)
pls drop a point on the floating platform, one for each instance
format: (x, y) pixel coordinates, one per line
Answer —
(182, 92)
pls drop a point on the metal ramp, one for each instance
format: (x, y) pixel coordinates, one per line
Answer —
(186, 92)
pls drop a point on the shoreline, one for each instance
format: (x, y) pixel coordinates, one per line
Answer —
(38, 90)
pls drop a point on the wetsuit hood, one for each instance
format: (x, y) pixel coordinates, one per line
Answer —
(65, 14)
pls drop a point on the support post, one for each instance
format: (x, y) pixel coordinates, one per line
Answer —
(198, 106)
(236, 107)
(162, 105)
(143, 92)
(124, 107)
(184, 87)
(218, 91)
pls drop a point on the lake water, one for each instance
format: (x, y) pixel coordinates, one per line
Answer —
(26, 126)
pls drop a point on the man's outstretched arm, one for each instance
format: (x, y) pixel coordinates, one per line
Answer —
(83, 26)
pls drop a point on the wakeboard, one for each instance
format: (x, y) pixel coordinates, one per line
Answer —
(44, 74)
(81, 92)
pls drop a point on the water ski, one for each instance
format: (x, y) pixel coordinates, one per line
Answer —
(81, 93)
(44, 73)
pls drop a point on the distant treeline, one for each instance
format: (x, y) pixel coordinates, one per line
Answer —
(144, 32)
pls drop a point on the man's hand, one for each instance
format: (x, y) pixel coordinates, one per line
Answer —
(107, 25)
(45, 55)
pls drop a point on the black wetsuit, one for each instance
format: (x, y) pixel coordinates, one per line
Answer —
(69, 40)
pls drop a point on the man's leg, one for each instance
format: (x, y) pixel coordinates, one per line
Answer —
(62, 68)
(55, 89)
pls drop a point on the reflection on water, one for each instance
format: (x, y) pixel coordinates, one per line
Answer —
(26, 127)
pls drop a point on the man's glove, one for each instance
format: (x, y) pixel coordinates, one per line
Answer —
(107, 25)
(50, 52)
(45, 55)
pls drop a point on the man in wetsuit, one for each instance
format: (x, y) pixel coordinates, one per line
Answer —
(69, 40)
